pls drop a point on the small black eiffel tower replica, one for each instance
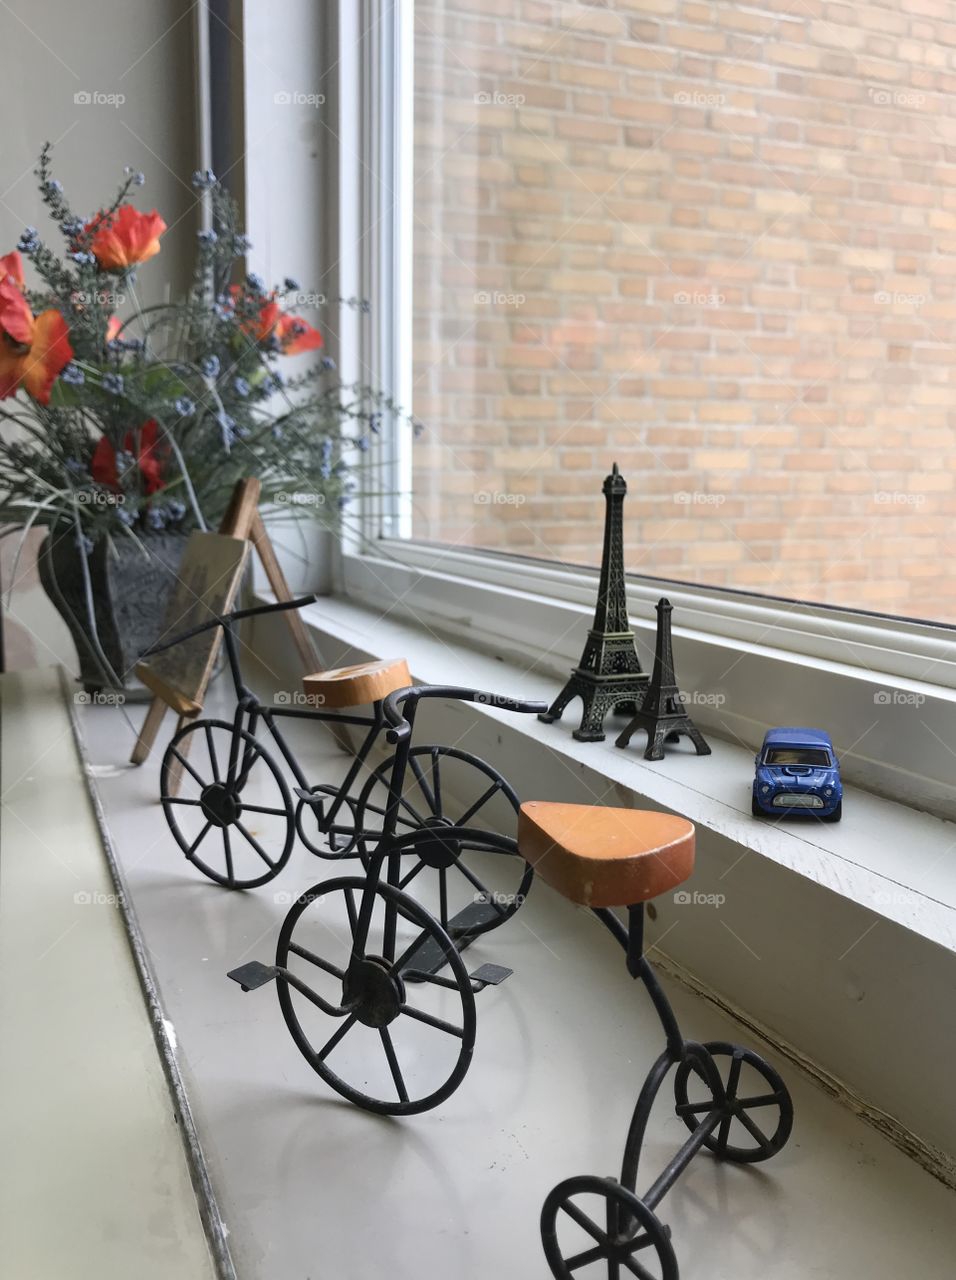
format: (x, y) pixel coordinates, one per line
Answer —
(663, 712)
(609, 674)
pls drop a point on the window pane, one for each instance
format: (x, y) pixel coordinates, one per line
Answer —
(716, 245)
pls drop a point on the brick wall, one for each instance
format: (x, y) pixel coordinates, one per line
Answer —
(716, 244)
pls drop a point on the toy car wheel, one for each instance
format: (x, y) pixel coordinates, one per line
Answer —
(755, 808)
(836, 815)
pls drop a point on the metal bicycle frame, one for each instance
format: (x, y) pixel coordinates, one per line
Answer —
(678, 1050)
(250, 710)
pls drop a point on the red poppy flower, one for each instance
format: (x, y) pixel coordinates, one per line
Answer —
(113, 328)
(11, 268)
(296, 335)
(149, 458)
(33, 349)
(124, 238)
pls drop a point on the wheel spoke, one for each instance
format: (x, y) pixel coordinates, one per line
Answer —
(487, 895)
(430, 1020)
(693, 1108)
(213, 758)
(312, 958)
(763, 1100)
(181, 800)
(579, 1217)
(256, 845)
(733, 1076)
(443, 896)
(227, 848)
(419, 820)
(329, 1045)
(635, 1268)
(352, 913)
(436, 779)
(582, 1259)
(422, 784)
(411, 875)
(262, 808)
(723, 1133)
(393, 1064)
(483, 799)
(405, 822)
(413, 946)
(195, 844)
(755, 1132)
(187, 766)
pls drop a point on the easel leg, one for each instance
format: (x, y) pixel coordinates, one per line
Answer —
(307, 651)
(176, 769)
(147, 734)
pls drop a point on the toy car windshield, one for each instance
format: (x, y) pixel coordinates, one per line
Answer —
(816, 756)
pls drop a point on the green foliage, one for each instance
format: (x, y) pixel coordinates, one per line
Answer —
(149, 427)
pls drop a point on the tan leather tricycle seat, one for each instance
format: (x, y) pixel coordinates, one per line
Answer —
(600, 857)
(357, 686)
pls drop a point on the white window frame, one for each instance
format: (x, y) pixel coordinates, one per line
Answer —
(869, 678)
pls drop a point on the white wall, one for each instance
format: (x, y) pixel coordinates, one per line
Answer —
(142, 55)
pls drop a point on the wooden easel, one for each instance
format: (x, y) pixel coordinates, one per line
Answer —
(242, 520)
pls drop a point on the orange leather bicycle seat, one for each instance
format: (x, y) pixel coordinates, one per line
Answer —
(601, 857)
(357, 686)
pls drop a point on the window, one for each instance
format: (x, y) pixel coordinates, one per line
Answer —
(714, 245)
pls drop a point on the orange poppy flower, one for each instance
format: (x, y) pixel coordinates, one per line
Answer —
(124, 238)
(296, 335)
(33, 349)
(260, 328)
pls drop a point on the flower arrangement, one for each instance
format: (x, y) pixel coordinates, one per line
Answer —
(142, 425)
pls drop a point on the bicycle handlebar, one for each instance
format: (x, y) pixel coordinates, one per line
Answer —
(226, 619)
(400, 728)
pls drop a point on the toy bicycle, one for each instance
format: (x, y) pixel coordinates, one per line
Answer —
(231, 812)
(366, 973)
(732, 1101)
(390, 952)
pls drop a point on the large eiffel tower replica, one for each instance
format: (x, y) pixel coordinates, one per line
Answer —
(609, 674)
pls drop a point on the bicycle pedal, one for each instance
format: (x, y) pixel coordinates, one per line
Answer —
(252, 975)
(315, 802)
(490, 975)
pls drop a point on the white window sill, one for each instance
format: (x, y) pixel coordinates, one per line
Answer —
(886, 690)
(838, 941)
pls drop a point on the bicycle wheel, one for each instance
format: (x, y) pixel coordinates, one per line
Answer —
(396, 1041)
(227, 804)
(470, 889)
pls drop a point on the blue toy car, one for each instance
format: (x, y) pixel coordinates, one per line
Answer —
(797, 773)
